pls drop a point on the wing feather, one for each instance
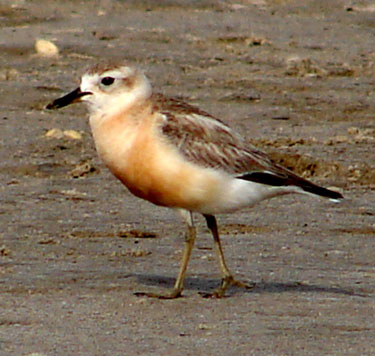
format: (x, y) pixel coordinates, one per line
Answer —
(206, 141)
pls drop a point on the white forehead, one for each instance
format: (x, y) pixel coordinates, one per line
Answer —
(121, 72)
(91, 79)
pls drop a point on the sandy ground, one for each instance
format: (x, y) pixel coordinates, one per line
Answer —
(296, 78)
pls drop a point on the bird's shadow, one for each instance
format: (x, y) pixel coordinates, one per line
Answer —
(206, 285)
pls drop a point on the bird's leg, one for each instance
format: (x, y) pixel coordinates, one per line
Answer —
(190, 236)
(226, 276)
(176, 292)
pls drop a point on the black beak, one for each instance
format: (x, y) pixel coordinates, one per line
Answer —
(67, 99)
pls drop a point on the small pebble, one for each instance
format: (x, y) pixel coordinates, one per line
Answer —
(54, 133)
(46, 48)
(8, 73)
(59, 134)
(75, 135)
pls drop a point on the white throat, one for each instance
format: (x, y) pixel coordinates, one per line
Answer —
(105, 105)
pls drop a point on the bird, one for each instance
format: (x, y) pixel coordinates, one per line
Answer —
(177, 155)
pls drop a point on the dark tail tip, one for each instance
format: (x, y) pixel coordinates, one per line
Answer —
(323, 192)
(291, 179)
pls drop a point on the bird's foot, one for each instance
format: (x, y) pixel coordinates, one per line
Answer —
(225, 283)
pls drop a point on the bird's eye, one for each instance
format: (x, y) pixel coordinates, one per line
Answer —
(107, 81)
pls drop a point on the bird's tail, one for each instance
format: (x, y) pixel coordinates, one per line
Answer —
(323, 192)
(288, 178)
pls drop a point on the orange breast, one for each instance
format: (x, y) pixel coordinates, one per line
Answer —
(152, 169)
(156, 172)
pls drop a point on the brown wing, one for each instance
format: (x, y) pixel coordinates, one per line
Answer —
(206, 141)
